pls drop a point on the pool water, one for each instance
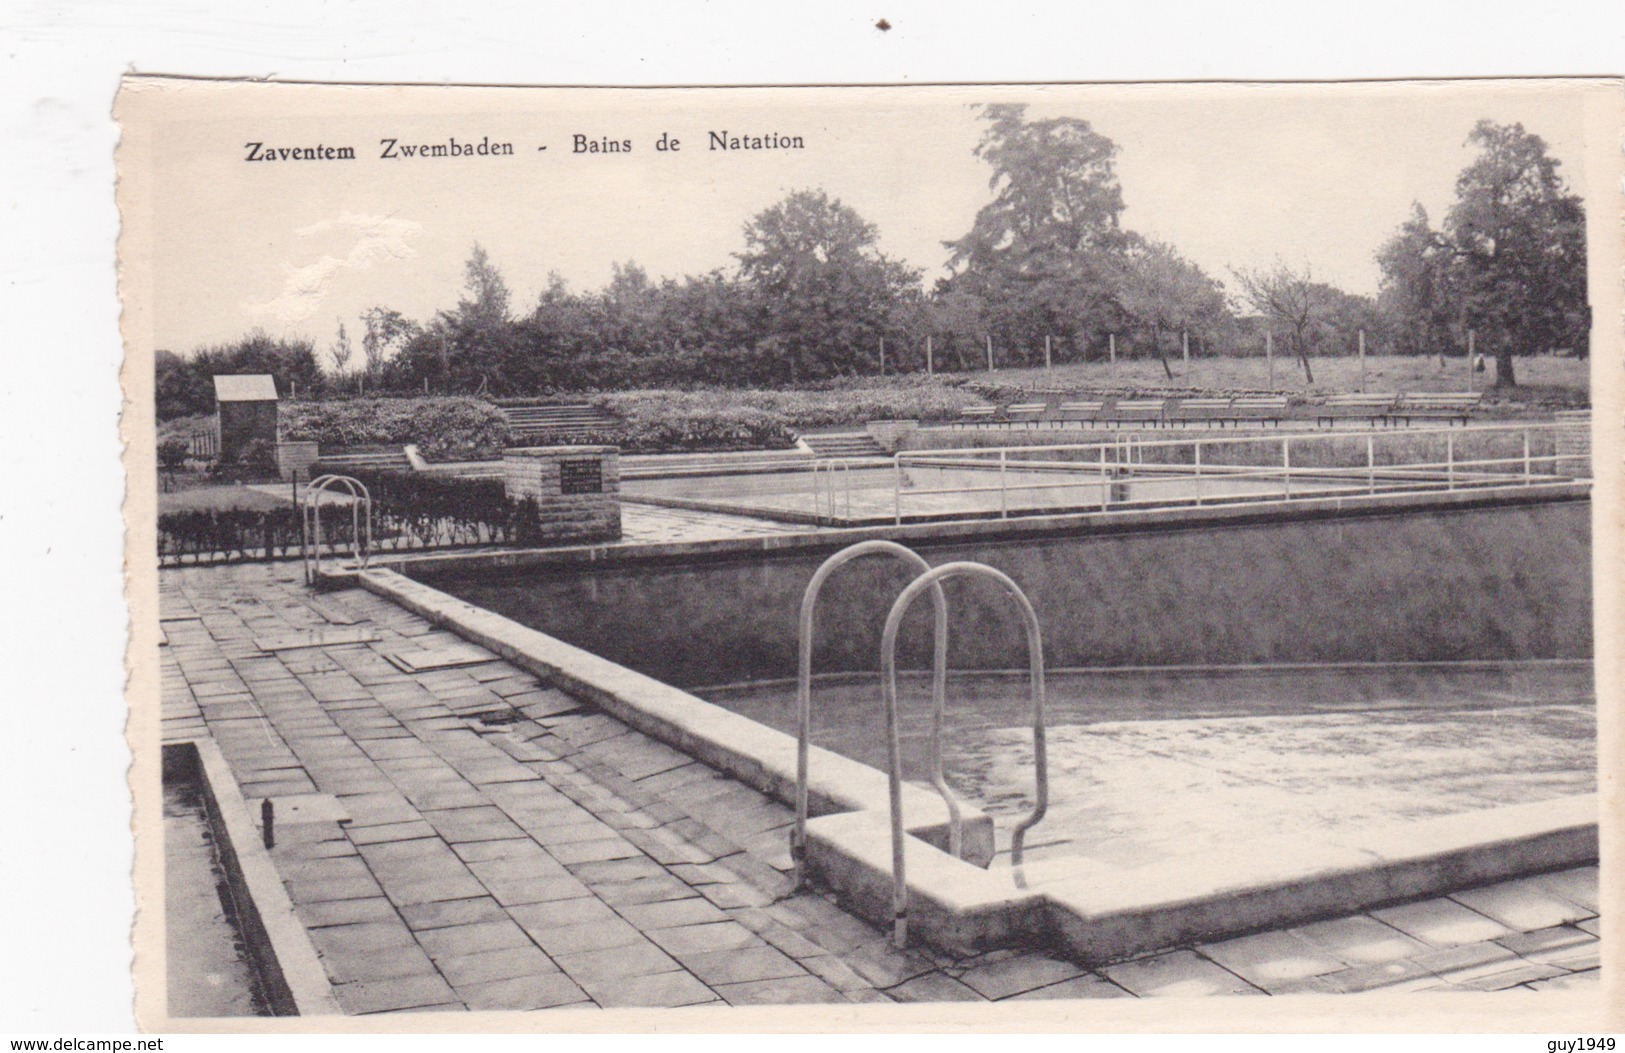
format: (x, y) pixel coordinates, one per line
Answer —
(210, 972)
(1148, 766)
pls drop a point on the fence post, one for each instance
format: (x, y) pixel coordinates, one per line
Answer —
(897, 489)
(1198, 449)
(930, 369)
(1362, 361)
(1185, 345)
(1111, 347)
(1046, 358)
(990, 354)
(1105, 482)
(1004, 491)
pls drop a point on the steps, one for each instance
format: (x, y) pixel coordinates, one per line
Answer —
(530, 423)
(379, 461)
(847, 445)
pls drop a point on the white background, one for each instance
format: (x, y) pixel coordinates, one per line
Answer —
(65, 900)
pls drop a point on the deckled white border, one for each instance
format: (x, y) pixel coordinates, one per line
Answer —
(65, 609)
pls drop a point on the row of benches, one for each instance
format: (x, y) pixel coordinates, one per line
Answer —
(1248, 409)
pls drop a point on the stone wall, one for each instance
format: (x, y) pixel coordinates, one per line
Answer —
(577, 489)
(893, 435)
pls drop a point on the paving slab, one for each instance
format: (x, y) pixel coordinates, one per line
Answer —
(1018, 975)
(740, 965)
(802, 990)
(1522, 905)
(1442, 922)
(1270, 958)
(1177, 974)
(661, 990)
(1086, 986)
(523, 993)
(382, 996)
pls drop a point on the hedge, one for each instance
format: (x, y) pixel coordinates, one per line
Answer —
(409, 511)
(444, 428)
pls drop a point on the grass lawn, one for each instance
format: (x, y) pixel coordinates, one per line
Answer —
(219, 498)
(1542, 379)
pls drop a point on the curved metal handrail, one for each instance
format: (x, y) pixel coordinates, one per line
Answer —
(888, 671)
(939, 692)
(311, 521)
(828, 465)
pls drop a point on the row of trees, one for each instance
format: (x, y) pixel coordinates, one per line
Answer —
(1046, 260)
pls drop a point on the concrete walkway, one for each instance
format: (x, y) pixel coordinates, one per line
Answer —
(467, 837)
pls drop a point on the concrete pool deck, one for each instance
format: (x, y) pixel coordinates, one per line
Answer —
(510, 847)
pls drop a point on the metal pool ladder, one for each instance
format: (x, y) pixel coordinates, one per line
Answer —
(930, 580)
(824, 501)
(939, 691)
(310, 520)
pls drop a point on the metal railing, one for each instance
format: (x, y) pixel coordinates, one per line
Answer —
(310, 521)
(1206, 470)
(825, 499)
(928, 580)
(888, 685)
(939, 691)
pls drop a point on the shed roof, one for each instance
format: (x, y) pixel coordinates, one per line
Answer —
(245, 387)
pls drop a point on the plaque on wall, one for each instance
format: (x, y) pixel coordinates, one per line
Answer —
(581, 477)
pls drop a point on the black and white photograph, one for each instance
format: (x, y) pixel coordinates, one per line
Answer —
(1007, 548)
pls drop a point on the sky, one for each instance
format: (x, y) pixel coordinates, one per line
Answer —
(1231, 175)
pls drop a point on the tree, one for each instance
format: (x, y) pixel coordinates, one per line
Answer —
(1509, 262)
(1160, 289)
(291, 362)
(182, 390)
(487, 299)
(1518, 236)
(1416, 295)
(826, 293)
(341, 352)
(1292, 299)
(387, 331)
(1041, 255)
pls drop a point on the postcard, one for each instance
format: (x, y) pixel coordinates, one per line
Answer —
(1129, 557)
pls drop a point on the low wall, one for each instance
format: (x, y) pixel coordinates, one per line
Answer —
(1501, 581)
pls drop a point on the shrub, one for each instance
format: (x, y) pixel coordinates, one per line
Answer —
(851, 402)
(172, 453)
(445, 429)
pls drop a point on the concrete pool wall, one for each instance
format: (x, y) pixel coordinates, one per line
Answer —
(1437, 580)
